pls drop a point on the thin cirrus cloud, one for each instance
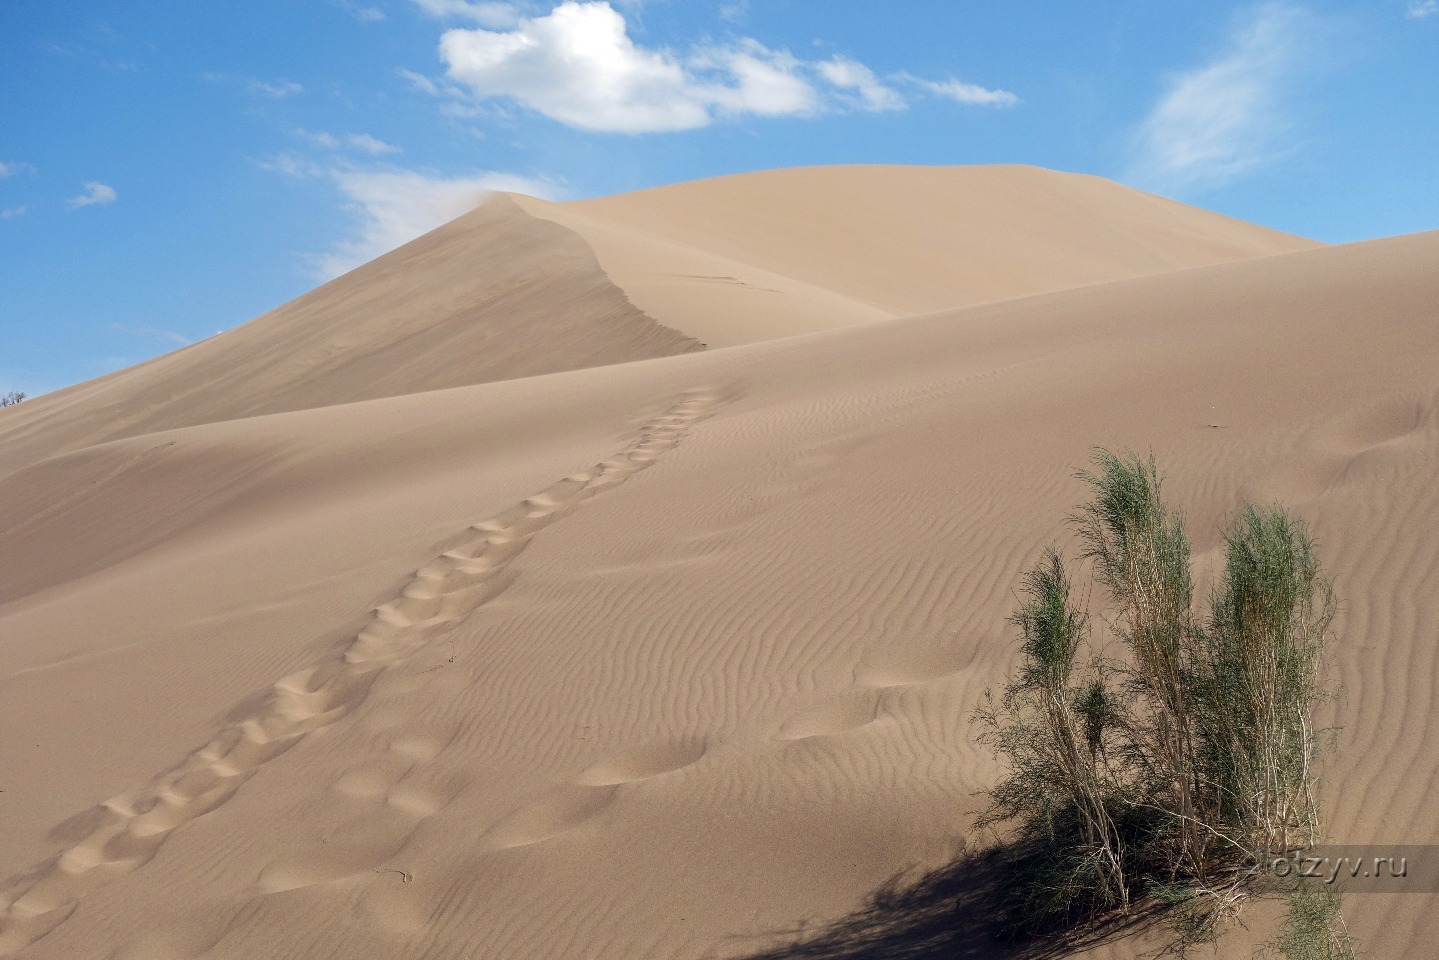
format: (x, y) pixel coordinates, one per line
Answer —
(1230, 117)
(1419, 9)
(394, 207)
(95, 193)
(579, 66)
(871, 93)
(961, 92)
(276, 90)
(488, 14)
(359, 142)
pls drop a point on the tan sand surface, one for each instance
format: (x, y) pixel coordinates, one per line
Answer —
(663, 658)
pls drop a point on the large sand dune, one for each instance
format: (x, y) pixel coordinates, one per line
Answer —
(661, 658)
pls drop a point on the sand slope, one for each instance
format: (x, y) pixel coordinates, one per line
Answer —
(664, 659)
(521, 287)
(759, 255)
(493, 295)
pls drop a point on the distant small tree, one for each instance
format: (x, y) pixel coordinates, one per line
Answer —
(12, 398)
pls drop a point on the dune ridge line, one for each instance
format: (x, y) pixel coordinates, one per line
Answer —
(126, 831)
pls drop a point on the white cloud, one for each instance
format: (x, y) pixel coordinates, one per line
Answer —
(961, 92)
(11, 212)
(499, 16)
(751, 78)
(578, 65)
(283, 88)
(94, 193)
(12, 169)
(850, 74)
(1226, 119)
(1419, 9)
(394, 207)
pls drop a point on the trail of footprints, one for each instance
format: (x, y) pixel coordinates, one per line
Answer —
(125, 832)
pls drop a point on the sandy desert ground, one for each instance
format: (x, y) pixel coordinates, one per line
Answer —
(616, 579)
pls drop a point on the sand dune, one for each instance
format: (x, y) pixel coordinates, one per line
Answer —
(494, 295)
(521, 287)
(666, 658)
(751, 257)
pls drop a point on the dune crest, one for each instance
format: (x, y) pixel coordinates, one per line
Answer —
(780, 252)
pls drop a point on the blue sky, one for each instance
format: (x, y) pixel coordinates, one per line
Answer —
(169, 169)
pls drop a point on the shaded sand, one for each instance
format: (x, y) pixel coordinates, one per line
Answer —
(493, 295)
(754, 256)
(668, 658)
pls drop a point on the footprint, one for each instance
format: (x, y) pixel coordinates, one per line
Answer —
(641, 763)
(848, 712)
(565, 808)
(124, 833)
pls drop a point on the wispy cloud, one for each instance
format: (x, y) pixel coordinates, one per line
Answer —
(10, 213)
(420, 82)
(734, 12)
(1229, 117)
(293, 166)
(871, 94)
(486, 14)
(961, 92)
(365, 143)
(361, 142)
(1419, 9)
(579, 66)
(14, 169)
(392, 208)
(363, 12)
(277, 89)
(95, 192)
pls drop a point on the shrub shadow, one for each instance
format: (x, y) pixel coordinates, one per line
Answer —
(945, 914)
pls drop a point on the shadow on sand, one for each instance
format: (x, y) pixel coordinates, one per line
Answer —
(948, 913)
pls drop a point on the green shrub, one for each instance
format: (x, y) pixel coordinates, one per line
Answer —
(1169, 773)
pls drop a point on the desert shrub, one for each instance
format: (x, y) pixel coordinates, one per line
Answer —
(1167, 773)
(12, 398)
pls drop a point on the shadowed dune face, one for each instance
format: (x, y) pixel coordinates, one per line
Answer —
(494, 295)
(674, 658)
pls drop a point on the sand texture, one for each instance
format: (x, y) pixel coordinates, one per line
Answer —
(464, 608)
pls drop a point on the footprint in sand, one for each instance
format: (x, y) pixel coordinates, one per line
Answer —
(125, 833)
(572, 804)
